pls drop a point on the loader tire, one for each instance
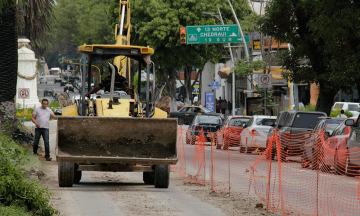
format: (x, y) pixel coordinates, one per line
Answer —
(162, 175)
(77, 174)
(66, 174)
(148, 178)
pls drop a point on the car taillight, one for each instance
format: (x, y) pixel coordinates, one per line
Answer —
(197, 127)
(254, 133)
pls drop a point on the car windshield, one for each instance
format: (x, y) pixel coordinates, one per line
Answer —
(205, 110)
(264, 121)
(68, 85)
(331, 125)
(339, 106)
(306, 120)
(238, 122)
(209, 120)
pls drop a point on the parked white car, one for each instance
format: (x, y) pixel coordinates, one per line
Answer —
(354, 108)
(255, 133)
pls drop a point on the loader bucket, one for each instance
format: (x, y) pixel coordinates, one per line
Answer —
(115, 138)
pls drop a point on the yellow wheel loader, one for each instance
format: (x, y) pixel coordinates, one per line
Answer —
(117, 132)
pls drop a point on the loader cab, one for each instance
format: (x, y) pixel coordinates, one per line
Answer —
(95, 54)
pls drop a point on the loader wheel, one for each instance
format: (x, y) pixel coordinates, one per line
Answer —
(162, 175)
(77, 174)
(66, 174)
(148, 178)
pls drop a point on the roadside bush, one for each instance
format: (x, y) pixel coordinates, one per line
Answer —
(13, 210)
(54, 104)
(16, 189)
(28, 111)
(308, 108)
(335, 113)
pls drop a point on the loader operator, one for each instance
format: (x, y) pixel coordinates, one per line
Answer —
(120, 84)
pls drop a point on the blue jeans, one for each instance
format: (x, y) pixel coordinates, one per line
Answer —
(45, 134)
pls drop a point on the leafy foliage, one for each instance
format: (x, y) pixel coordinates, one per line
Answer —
(245, 68)
(325, 41)
(158, 26)
(269, 101)
(76, 23)
(15, 188)
(336, 112)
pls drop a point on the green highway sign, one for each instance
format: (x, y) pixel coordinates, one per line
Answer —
(214, 34)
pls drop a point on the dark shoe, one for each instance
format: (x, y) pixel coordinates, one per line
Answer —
(48, 159)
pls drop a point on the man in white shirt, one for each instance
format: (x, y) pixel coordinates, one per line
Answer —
(342, 115)
(40, 117)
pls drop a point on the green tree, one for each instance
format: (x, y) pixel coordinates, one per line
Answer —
(158, 26)
(75, 23)
(13, 12)
(325, 39)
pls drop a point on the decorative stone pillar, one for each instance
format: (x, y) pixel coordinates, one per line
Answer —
(27, 75)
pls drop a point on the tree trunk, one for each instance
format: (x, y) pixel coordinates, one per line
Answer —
(170, 80)
(187, 80)
(326, 98)
(8, 65)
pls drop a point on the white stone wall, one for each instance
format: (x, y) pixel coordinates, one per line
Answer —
(27, 68)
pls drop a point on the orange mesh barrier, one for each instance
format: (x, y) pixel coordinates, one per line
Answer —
(306, 173)
(192, 156)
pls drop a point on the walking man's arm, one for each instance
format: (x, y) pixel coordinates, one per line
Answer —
(34, 121)
(54, 116)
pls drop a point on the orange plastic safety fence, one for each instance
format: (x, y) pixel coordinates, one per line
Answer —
(305, 173)
(192, 156)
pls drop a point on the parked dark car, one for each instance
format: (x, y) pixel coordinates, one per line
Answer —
(290, 123)
(49, 92)
(207, 123)
(312, 147)
(58, 111)
(69, 87)
(229, 133)
(186, 114)
(57, 80)
(63, 82)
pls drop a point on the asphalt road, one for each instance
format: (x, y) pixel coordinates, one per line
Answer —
(51, 85)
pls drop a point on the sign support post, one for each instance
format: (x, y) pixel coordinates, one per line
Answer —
(265, 100)
(265, 81)
(24, 109)
(23, 93)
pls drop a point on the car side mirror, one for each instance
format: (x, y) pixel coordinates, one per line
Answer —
(272, 124)
(349, 122)
(327, 133)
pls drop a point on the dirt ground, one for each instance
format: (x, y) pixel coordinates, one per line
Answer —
(109, 193)
(128, 195)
